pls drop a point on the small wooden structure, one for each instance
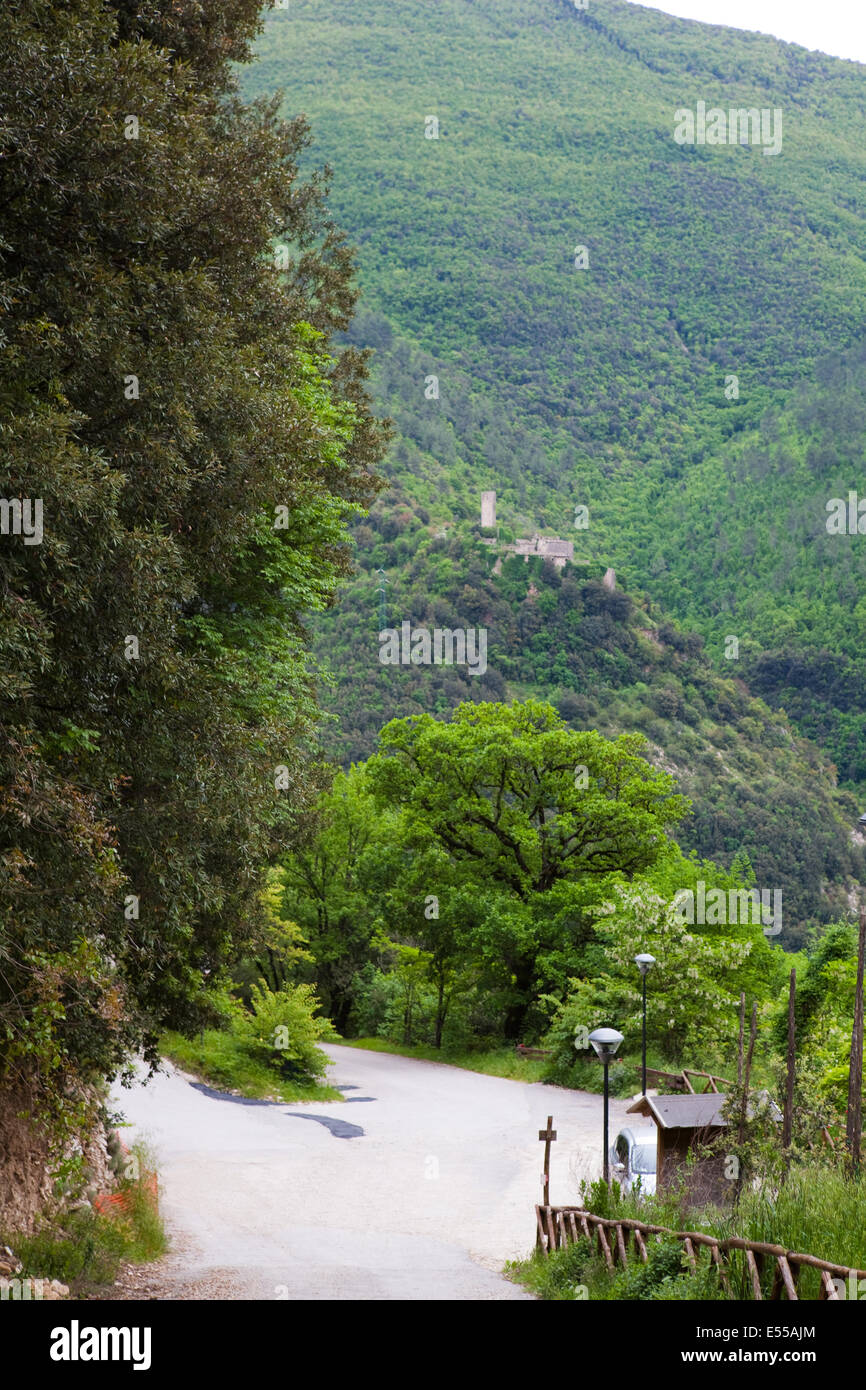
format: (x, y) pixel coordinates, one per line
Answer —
(533, 1051)
(685, 1124)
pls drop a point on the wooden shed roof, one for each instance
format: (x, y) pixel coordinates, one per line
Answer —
(688, 1112)
(681, 1112)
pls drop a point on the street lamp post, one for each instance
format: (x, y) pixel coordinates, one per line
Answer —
(644, 964)
(606, 1041)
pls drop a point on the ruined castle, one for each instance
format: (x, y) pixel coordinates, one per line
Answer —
(548, 547)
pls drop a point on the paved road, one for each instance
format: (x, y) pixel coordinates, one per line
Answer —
(428, 1203)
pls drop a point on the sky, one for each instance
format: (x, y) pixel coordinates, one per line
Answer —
(833, 26)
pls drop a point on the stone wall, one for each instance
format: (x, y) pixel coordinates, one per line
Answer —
(26, 1186)
(24, 1182)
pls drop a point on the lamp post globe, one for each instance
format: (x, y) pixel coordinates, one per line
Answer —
(605, 1041)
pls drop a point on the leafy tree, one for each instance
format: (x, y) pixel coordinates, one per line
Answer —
(277, 951)
(173, 396)
(430, 905)
(525, 805)
(327, 889)
(692, 990)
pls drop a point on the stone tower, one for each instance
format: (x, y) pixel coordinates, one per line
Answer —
(488, 509)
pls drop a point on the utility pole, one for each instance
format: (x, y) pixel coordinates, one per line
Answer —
(788, 1124)
(854, 1126)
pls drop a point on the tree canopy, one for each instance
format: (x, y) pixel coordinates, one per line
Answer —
(172, 394)
(523, 799)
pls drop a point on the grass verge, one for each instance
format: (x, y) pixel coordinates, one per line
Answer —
(494, 1061)
(817, 1211)
(84, 1248)
(220, 1059)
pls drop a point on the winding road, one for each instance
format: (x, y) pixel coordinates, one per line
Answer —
(420, 1184)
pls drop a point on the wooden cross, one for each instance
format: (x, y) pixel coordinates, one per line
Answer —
(547, 1135)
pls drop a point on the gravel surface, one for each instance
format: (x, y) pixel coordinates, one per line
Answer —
(427, 1202)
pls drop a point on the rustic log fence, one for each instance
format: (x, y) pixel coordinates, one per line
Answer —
(557, 1227)
(682, 1080)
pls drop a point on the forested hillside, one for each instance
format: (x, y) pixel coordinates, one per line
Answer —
(570, 307)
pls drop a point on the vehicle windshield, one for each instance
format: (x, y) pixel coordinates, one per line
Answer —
(643, 1158)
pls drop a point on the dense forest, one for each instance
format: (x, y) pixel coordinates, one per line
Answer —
(694, 381)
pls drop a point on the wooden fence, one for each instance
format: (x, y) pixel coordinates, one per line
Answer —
(681, 1080)
(557, 1227)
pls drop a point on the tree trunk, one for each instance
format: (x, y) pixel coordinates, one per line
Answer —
(515, 1014)
(440, 1014)
(340, 1016)
(407, 1018)
(744, 1107)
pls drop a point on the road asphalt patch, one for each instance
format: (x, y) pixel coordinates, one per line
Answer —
(341, 1129)
(227, 1095)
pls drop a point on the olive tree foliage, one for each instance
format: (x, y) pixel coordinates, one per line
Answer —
(171, 397)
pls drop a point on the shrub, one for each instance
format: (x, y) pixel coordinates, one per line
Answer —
(283, 1030)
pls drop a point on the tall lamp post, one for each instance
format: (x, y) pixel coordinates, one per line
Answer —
(644, 964)
(606, 1041)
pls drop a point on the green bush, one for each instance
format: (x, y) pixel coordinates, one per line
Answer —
(283, 1030)
(555, 1277)
(665, 1277)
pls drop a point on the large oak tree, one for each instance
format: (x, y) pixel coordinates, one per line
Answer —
(533, 814)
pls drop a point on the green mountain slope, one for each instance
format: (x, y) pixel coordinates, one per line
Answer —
(755, 516)
(608, 661)
(610, 386)
(556, 130)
